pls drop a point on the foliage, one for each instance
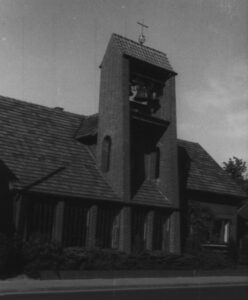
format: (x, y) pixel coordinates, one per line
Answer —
(39, 255)
(200, 220)
(36, 256)
(72, 258)
(210, 260)
(237, 168)
(115, 260)
(103, 259)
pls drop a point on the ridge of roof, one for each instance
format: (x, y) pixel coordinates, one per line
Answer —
(187, 141)
(138, 44)
(37, 105)
(205, 174)
(87, 127)
(35, 142)
(144, 53)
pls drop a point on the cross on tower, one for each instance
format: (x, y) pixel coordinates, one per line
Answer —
(142, 38)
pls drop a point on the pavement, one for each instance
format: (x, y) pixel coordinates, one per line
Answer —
(29, 286)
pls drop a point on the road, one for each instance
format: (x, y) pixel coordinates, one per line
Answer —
(206, 293)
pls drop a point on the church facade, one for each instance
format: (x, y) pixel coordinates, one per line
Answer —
(119, 179)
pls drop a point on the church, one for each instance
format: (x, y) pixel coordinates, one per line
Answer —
(119, 179)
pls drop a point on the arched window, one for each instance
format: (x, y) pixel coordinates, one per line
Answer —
(106, 152)
(157, 163)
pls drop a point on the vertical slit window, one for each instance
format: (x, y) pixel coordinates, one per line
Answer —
(106, 152)
(157, 163)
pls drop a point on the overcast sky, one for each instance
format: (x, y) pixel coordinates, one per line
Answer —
(50, 51)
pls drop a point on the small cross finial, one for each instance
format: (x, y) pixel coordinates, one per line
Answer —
(142, 38)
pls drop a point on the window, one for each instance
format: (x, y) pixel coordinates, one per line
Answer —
(106, 152)
(75, 225)
(220, 231)
(157, 163)
(107, 229)
(139, 229)
(161, 230)
(115, 232)
(40, 219)
(154, 166)
(144, 93)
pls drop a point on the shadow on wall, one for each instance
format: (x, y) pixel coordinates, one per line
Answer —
(6, 201)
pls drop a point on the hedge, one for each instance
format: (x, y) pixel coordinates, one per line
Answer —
(35, 256)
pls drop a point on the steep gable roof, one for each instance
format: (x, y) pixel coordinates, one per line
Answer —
(204, 174)
(87, 127)
(135, 50)
(37, 145)
(149, 194)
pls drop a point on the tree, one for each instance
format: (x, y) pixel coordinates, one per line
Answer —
(200, 220)
(237, 168)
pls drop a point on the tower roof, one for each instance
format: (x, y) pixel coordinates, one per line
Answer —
(135, 50)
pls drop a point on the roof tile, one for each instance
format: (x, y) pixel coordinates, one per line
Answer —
(204, 174)
(37, 145)
(144, 53)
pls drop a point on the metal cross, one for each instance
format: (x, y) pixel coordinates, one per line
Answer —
(142, 38)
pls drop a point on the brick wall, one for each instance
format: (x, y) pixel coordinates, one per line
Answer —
(114, 119)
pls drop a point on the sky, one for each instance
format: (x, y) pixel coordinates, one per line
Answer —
(50, 52)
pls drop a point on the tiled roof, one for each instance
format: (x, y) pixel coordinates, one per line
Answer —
(203, 173)
(149, 194)
(141, 52)
(87, 127)
(37, 145)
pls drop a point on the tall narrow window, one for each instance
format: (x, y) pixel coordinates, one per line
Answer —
(40, 218)
(221, 231)
(161, 231)
(75, 224)
(106, 152)
(157, 163)
(139, 229)
(107, 228)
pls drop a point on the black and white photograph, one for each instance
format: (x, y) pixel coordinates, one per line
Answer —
(124, 149)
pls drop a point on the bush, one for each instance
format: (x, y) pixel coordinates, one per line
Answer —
(72, 258)
(185, 262)
(39, 255)
(210, 260)
(104, 259)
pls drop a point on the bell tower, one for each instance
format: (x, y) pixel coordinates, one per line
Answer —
(137, 138)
